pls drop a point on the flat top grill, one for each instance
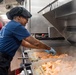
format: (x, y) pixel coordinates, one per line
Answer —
(39, 66)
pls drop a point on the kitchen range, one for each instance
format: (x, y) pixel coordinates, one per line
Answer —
(61, 36)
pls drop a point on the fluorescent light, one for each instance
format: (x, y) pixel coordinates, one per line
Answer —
(61, 0)
(4, 16)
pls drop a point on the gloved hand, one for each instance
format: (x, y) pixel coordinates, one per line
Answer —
(51, 51)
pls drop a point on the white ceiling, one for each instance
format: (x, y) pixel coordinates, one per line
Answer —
(3, 4)
(36, 5)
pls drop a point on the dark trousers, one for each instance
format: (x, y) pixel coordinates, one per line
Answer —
(4, 63)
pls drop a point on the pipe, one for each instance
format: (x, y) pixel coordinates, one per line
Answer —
(30, 18)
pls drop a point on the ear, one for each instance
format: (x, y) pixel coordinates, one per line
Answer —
(18, 17)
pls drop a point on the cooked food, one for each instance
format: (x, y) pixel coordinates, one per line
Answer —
(63, 65)
(44, 55)
(58, 67)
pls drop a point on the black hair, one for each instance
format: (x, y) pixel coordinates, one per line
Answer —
(18, 11)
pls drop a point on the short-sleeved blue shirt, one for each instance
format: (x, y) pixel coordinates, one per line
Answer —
(11, 37)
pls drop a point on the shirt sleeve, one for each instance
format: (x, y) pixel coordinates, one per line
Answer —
(21, 32)
(1, 25)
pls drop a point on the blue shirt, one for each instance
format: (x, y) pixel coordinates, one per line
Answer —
(11, 37)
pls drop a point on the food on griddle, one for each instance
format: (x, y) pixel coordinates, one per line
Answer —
(44, 55)
(58, 67)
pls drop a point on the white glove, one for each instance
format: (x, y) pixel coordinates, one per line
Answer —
(51, 51)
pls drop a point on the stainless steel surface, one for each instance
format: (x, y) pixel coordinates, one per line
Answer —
(70, 50)
(56, 43)
(38, 23)
(61, 18)
(53, 32)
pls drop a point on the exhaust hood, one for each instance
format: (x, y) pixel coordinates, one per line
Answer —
(63, 18)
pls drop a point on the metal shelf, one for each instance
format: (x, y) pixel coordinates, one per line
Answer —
(71, 28)
(65, 11)
(66, 16)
